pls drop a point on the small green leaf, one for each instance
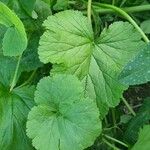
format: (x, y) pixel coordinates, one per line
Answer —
(69, 44)
(125, 119)
(63, 118)
(145, 26)
(137, 71)
(15, 40)
(143, 142)
(42, 9)
(61, 5)
(27, 5)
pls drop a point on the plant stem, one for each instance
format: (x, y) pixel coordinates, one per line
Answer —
(89, 10)
(125, 15)
(113, 2)
(110, 145)
(129, 107)
(114, 118)
(115, 140)
(126, 9)
(29, 79)
(15, 74)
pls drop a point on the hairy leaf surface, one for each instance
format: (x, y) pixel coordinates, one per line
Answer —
(137, 71)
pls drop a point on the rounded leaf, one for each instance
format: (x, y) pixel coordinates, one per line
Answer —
(63, 119)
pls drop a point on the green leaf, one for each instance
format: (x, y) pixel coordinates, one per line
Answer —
(42, 9)
(63, 118)
(61, 5)
(143, 142)
(15, 40)
(124, 119)
(68, 42)
(14, 47)
(142, 117)
(28, 6)
(137, 71)
(145, 26)
(14, 108)
(30, 60)
(5, 1)
(7, 70)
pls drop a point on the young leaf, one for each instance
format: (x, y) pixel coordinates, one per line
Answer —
(28, 6)
(61, 5)
(63, 118)
(145, 26)
(43, 10)
(137, 71)
(14, 108)
(68, 42)
(143, 142)
(15, 40)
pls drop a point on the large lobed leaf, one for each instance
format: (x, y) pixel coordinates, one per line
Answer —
(63, 119)
(69, 44)
(14, 108)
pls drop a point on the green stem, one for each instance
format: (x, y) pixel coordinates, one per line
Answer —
(137, 8)
(115, 140)
(89, 10)
(114, 118)
(110, 145)
(29, 79)
(113, 2)
(125, 15)
(129, 107)
(107, 129)
(133, 9)
(15, 74)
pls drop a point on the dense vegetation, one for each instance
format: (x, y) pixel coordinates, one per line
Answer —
(74, 75)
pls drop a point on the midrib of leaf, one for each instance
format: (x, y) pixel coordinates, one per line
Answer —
(93, 44)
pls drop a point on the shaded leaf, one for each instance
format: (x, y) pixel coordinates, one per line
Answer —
(143, 142)
(61, 5)
(30, 60)
(28, 6)
(142, 117)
